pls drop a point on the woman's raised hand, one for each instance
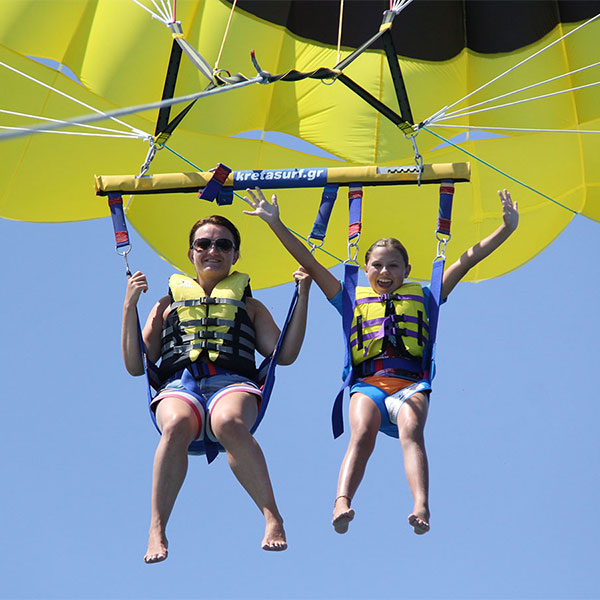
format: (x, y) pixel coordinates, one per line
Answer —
(267, 211)
(136, 284)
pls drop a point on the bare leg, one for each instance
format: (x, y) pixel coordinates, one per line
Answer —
(179, 427)
(364, 425)
(231, 420)
(411, 424)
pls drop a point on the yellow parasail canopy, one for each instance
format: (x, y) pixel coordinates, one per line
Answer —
(120, 55)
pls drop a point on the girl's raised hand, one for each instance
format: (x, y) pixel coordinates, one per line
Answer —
(267, 211)
(510, 210)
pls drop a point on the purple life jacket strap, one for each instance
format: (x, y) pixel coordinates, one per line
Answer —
(385, 297)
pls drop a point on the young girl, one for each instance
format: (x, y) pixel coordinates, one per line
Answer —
(394, 401)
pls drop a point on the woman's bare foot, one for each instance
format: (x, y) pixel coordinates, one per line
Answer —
(419, 521)
(342, 514)
(157, 548)
(274, 540)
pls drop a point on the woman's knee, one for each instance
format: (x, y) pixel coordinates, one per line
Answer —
(233, 416)
(176, 423)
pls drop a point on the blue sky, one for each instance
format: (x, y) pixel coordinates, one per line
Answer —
(512, 441)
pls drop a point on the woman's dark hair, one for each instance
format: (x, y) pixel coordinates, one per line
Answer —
(222, 222)
(388, 243)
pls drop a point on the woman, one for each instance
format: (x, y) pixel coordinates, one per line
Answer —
(222, 369)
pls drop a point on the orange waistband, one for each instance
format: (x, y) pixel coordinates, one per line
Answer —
(390, 385)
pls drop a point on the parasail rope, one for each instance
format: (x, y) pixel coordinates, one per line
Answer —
(399, 5)
(167, 10)
(519, 64)
(483, 127)
(40, 118)
(216, 67)
(450, 114)
(160, 17)
(504, 173)
(480, 110)
(339, 42)
(133, 109)
(110, 135)
(104, 115)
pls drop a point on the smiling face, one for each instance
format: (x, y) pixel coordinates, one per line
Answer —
(386, 269)
(212, 264)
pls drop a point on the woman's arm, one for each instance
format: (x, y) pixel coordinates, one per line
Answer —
(130, 341)
(269, 213)
(510, 216)
(267, 332)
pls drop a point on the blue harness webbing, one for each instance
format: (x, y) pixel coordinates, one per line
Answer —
(190, 377)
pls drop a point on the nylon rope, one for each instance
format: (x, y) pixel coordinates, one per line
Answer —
(84, 133)
(522, 62)
(133, 109)
(215, 68)
(531, 130)
(104, 115)
(39, 117)
(154, 15)
(504, 173)
(450, 114)
(339, 41)
(168, 12)
(516, 102)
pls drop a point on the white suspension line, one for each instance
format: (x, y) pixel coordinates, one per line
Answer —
(534, 130)
(139, 132)
(473, 112)
(160, 6)
(523, 62)
(162, 19)
(109, 135)
(40, 118)
(134, 109)
(450, 114)
(168, 10)
(400, 5)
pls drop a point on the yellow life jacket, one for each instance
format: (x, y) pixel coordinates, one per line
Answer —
(217, 325)
(399, 317)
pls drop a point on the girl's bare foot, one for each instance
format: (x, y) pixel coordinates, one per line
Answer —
(274, 540)
(342, 514)
(419, 521)
(157, 548)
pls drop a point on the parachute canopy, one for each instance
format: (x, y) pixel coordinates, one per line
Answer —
(119, 56)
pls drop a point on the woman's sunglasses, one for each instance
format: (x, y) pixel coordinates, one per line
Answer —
(221, 244)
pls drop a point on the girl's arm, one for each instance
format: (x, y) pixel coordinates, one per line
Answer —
(454, 273)
(267, 332)
(269, 213)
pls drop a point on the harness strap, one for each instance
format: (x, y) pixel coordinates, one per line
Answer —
(214, 188)
(348, 298)
(207, 300)
(328, 199)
